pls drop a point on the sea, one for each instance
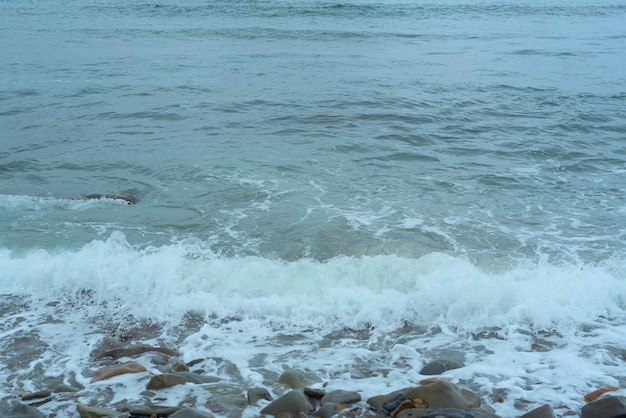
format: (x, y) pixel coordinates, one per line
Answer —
(348, 188)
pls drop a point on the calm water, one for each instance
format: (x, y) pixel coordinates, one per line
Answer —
(366, 154)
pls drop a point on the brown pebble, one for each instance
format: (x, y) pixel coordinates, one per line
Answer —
(592, 396)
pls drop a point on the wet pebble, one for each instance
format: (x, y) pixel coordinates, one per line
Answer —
(294, 402)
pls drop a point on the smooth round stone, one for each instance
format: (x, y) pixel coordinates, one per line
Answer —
(294, 402)
(191, 413)
(166, 380)
(255, 394)
(293, 379)
(92, 412)
(439, 366)
(24, 411)
(448, 413)
(108, 372)
(341, 396)
(393, 403)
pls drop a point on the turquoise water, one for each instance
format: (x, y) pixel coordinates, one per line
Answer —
(366, 154)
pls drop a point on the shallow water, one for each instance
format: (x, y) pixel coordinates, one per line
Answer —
(349, 189)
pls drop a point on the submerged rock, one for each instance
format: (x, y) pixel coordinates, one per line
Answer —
(293, 402)
(439, 366)
(24, 411)
(117, 370)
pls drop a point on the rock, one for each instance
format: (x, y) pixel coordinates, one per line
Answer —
(24, 411)
(314, 393)
(160, 411)
(408, 404)
(448, 413)
(36, 395)
(592, 396)
(439, 366)
(439, 394)
(341, 396)
(134, 351)
(97, 196)
(166, 380)
(92, 412)
(191, 413)
(422, 413)
(292, 379)
(328, 410)
(255, 394)
(392, 404)
(225, 399)
(609, 407)
(65, 388)
(179, 366)
(293, 402)
(117, 370)
(544, 411)
(198, 378)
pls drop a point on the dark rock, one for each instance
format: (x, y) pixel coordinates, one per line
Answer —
(293, 402)
(166, 380)
(24, 411)
(190, 413)
(609, 407)
(341, 396)
(255, 394)
(392, 404)
(544, 411)
(96, 196)
(439, 366)
(314, 393)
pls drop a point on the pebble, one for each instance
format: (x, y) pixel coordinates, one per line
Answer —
(24, 411)
(292, 379)
(341, 396)
(165, 380)
(86, 411)
(439, 366)
(255, 394)
(191, 413)
(294, 402)
(119, 369)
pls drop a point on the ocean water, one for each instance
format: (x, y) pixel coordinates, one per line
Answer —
(348, 188)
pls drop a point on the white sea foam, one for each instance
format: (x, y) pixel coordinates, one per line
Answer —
(541, 332)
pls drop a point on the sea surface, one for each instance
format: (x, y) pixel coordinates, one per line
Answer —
(348, 188)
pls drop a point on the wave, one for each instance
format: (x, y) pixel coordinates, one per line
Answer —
(109, 277)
